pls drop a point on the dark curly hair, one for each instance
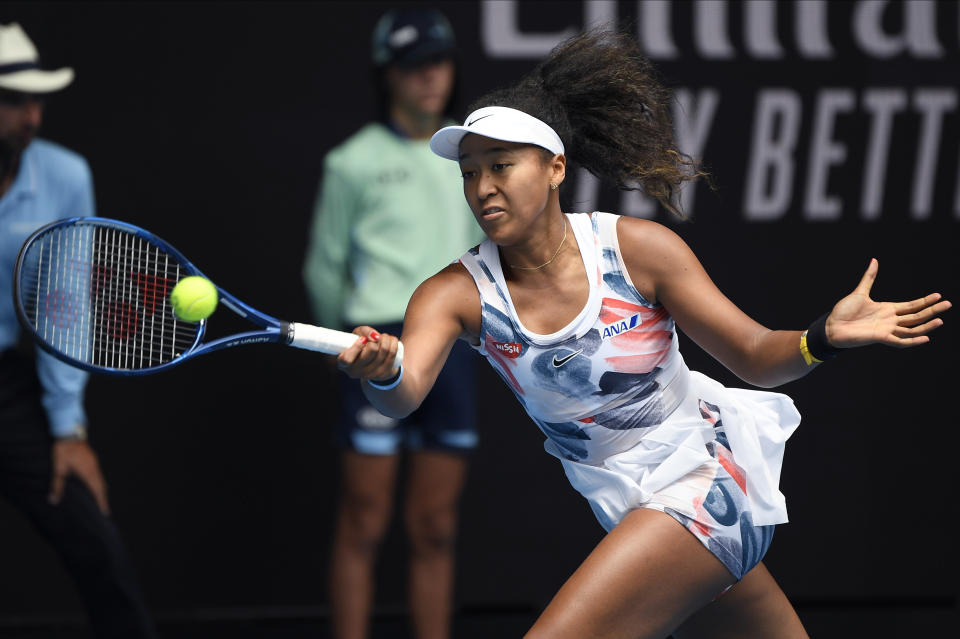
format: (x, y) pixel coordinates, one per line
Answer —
(605, 101)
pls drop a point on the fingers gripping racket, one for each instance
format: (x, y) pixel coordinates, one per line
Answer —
(95, 292)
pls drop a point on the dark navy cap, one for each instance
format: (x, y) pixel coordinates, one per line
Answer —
(411, 37)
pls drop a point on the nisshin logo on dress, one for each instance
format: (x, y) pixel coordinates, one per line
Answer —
(624, 325)
(509, 349)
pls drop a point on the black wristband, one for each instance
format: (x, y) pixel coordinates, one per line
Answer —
(817, 342)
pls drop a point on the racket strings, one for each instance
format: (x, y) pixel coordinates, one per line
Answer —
(101, 296)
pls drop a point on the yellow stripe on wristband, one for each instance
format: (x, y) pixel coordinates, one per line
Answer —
(807, 357)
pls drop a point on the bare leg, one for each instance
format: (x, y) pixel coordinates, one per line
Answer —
(366, 503)
(433, 490)
(755, 608)
(642, 580)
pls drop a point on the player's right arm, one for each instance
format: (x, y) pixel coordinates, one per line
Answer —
(444, 308)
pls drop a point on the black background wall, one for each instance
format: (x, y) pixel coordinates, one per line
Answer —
(207, 123)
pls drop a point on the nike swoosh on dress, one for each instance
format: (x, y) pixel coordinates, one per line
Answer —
(566, 358)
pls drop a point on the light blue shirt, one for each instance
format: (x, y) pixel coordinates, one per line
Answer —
(52, 183)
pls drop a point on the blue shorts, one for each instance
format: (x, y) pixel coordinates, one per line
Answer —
(445, 421)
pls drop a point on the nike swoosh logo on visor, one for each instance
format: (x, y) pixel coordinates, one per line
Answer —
(563, 360)
(480, 118)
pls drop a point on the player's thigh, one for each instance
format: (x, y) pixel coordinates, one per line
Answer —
(434, 485)
(642, 580)
(435, 482)
(755, 607)
(367, 484)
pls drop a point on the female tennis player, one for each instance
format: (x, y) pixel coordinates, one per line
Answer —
(578, 314)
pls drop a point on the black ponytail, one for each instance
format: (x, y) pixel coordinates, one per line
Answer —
(605, 101)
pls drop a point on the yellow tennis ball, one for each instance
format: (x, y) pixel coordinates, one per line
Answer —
(194, 298)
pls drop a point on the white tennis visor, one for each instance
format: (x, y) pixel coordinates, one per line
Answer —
(499, 123)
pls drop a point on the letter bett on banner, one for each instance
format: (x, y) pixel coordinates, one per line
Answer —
(774, 153)
(818, 107)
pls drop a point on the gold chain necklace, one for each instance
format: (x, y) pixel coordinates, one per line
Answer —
(534, 268)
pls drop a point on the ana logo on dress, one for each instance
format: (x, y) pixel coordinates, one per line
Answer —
(624, 325)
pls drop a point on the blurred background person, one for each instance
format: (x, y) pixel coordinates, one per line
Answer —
(390, 214)
(48, 470)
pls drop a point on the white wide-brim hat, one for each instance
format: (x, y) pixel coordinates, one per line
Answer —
(20, 65)
(499, 123)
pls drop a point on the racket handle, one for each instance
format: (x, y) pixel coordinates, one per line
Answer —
(326, 340)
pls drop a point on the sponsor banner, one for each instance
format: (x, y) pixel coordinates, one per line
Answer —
(809, 110)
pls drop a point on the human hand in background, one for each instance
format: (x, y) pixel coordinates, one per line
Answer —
(76, 457)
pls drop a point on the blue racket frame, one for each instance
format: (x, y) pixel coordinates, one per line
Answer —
(273, 329)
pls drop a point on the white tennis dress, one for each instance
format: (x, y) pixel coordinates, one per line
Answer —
(632, 425)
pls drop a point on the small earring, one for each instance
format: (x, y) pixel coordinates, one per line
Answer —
(553, 187)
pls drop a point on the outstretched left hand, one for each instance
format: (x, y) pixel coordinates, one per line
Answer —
(857, 320)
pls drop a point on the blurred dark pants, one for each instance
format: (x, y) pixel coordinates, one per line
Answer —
(86, 540)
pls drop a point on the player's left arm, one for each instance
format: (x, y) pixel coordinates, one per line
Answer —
(664, 269)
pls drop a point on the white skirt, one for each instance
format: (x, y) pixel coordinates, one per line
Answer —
(667, 466)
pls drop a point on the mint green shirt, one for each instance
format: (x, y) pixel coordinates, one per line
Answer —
(389, 215)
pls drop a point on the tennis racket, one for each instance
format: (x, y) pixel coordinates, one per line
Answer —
(95, 293)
